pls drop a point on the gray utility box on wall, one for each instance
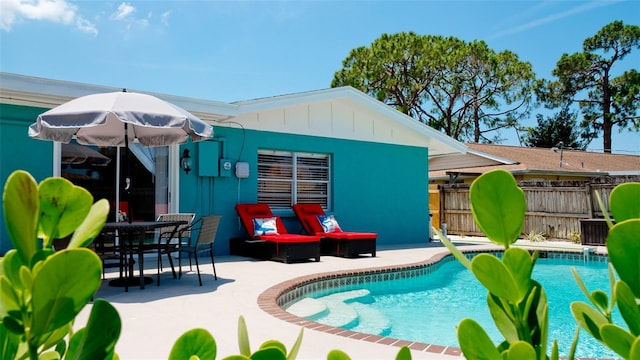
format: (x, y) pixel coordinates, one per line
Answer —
(225, 167)
(242, 170)
(208, 150)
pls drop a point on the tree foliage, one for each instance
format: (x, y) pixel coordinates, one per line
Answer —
(560, 127)
(587, 78)
(464, 89)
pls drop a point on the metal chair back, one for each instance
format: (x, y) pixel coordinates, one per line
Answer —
(208, 230)
(183, 232)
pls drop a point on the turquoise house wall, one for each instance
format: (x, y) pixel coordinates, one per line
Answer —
(19, 152)
(375, 187)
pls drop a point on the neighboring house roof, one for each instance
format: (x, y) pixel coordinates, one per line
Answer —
(481, 158)
(344, 112)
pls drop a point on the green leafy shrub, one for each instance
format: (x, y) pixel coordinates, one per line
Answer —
(574, 237)
(518, 303)
(536, 236)
(42, 290)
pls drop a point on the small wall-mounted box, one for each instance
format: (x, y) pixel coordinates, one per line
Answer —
(208, 150)
(242, 170)
(225, 167)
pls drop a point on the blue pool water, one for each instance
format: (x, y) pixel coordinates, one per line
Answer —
(428, 308)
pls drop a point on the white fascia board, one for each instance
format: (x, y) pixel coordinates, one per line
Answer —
(624, 172)
(559, 172)
(492, 157)
(28, 90)
(281, 101)
(446, 144)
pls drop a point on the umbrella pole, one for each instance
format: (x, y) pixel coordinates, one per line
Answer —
(127, 180)
(118, 165)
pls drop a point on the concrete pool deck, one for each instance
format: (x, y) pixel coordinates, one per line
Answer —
(154, 318)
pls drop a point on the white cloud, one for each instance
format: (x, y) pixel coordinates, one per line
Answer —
(555, 17)
(86, 26)
(124, 10)
(165, 18)
(57, 11)
(125, 13)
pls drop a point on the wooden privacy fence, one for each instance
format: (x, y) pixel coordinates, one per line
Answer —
(554, 208)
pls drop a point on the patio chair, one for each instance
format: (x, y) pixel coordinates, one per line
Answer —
(334, 241)
(265, 229)
(105, 245)
(207, 228)
(170, 238)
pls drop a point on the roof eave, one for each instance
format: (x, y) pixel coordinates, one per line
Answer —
(448, 145)
(32, 91)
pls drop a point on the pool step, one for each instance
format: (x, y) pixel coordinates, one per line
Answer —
(308, 308)
(348, 296)
(347, 309)
(371, 321)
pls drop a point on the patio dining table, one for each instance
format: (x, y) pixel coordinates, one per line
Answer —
(131, 240)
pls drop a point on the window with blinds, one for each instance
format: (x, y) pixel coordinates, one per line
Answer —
(286, 178)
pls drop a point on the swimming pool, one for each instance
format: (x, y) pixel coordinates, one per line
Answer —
(427, 306)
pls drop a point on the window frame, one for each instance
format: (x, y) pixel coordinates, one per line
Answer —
(291, 169)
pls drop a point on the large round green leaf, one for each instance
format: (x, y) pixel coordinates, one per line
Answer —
(64, 284)
(520, 350)
(617, 339)
(195, 342)
(629, 308)
(624, 201)
(10, 300)
(21, 208)
(519, 263)
(623, 245)
(496, 277)
(63, 207)
(270, 353)
(274, 344)
(587, 317)
(11, 264)
(338, 355)
(501, 318)
(475, 343)
(98, 340)
(635, 349)
(498, 206)
(91, 226)
(404, 354)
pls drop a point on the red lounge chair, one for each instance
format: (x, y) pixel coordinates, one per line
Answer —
(278, 243)
(337, 242)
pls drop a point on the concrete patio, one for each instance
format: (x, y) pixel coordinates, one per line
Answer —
(153, 318)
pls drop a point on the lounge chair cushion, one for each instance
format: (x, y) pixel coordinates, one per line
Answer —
(265, 226)
(329, 223)
(249, 212)
(350, 235)
(309, 217)
(288, 238)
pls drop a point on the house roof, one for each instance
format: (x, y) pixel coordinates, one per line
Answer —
(384, 123)
(530, 160)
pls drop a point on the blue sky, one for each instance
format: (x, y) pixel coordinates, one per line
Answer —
(240, 50)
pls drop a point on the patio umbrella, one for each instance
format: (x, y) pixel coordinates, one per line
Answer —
(118, 119)
(78, 155)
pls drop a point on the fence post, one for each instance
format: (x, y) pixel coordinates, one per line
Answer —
(589, 189)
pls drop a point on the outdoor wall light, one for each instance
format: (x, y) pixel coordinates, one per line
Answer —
(185, 161)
